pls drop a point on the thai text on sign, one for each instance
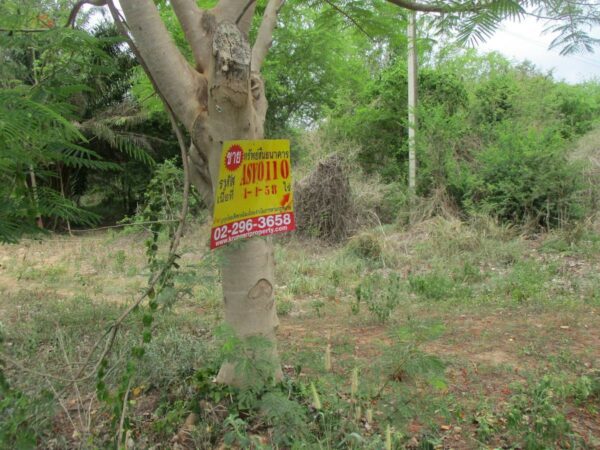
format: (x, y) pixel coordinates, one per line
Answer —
(254, 194)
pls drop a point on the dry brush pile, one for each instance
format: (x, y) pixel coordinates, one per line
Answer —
(323, 201)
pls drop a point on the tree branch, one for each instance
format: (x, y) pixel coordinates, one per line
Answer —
(178, 82)
(78, 6)
(423, 7)
(264, 37)
(196, 27)
(25, 30)
(237, 12)
(349, 17)
(441, 8)
(201, 181)
(244, 11)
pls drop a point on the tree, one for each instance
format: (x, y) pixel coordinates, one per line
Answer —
(222, 97)
(65, 117)
(39, 137)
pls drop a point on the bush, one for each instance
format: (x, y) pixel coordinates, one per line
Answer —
(366, 245)
(526, 178)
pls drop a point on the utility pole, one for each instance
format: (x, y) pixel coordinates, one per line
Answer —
(412, 102)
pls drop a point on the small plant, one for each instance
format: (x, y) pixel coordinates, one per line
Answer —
(288, 418)
(119, 260)
(486, 424)
(468, 272)
(534, 414)
(284, 307)
(336, 278)
(327, 364)
(366, 245)
(317, 305)
(404, 359)
(432, 286)
(381, 295)
(170, 417)
(236, 434)
(19, 424)
(526, 281)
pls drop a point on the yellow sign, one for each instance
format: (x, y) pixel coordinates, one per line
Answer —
(254, 195)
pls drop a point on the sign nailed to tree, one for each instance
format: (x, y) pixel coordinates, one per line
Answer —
(254, 194)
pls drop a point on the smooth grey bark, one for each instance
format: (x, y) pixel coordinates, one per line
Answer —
(221, 98)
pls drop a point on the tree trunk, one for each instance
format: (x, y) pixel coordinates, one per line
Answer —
(36, 201)
(221, 99)
(248, 281)
(248, 266)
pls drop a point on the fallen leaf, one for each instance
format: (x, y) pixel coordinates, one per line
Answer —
(414, 427)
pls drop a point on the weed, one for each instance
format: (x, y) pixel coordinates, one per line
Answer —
(535, 416)
(336, 278)
(317, 305)
(405, 360)
(119, 260)
(468, 273)
(486, 424)
(50, 274)
(22, 417)
(287, 417)
(284, 307)
(381, 295)
(525, 282)
(432, 286)
(366, 245)
(169, 417)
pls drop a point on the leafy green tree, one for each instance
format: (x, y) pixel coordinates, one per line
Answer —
(75, 84)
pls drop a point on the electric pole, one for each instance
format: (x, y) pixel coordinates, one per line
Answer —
(412, 102)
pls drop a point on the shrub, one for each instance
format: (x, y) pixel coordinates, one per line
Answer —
(164, 195)
(526, 178)
(366, 245)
